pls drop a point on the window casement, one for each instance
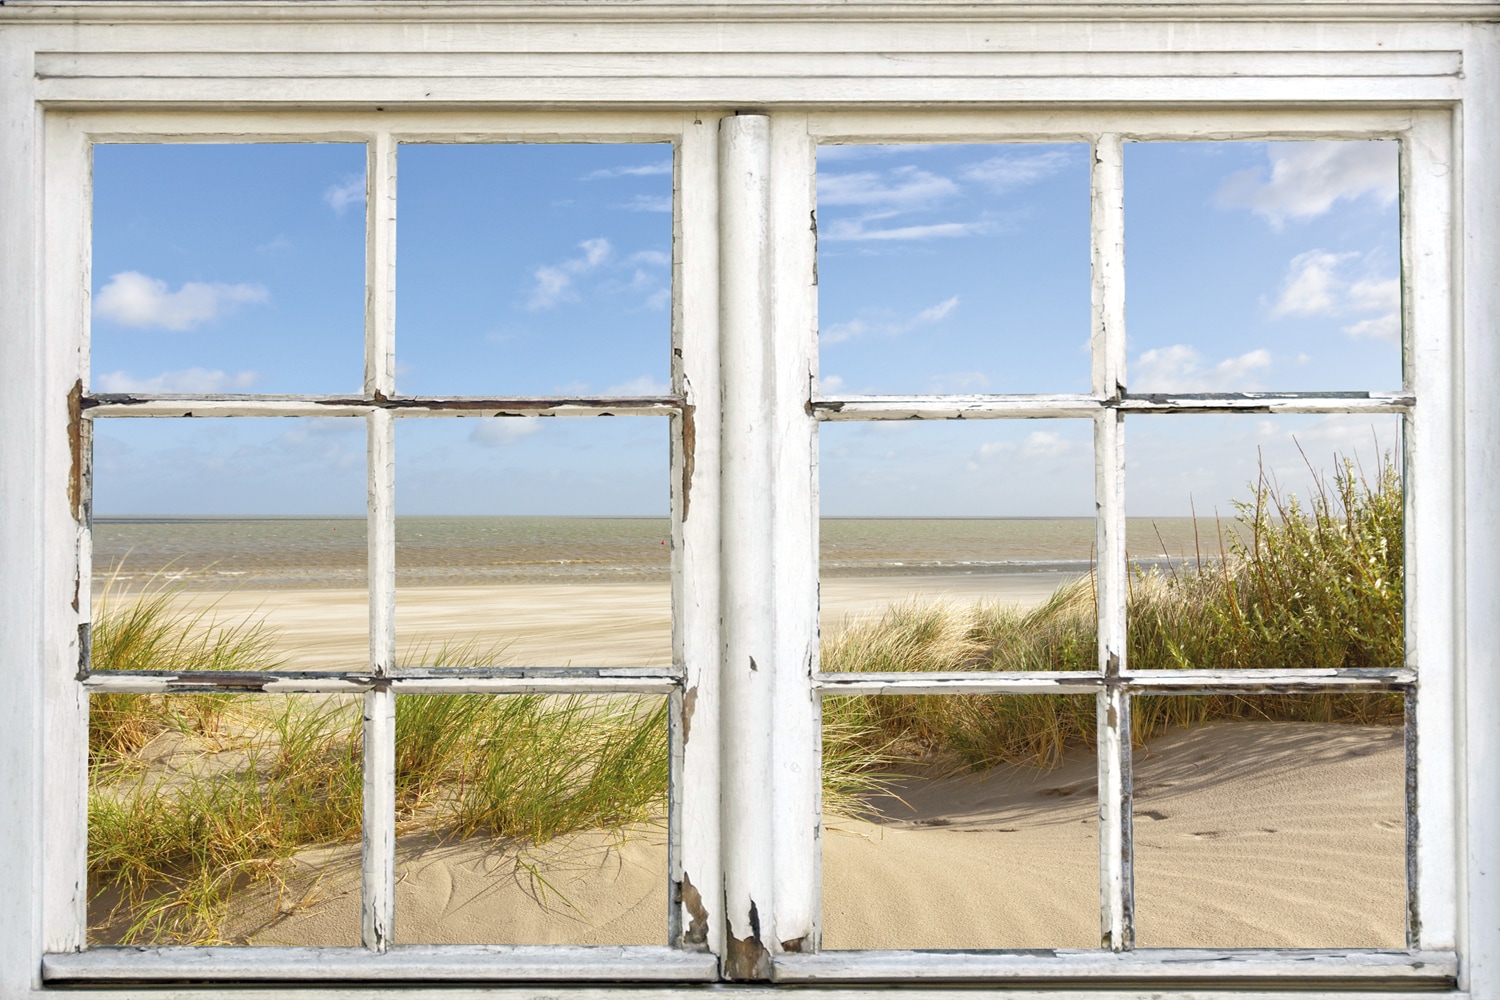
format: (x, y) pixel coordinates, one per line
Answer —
(745, 686)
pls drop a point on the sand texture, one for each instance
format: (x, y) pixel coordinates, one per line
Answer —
(1248, 834)
(553, 624)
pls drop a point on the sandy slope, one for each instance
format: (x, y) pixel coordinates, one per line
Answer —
(1248, 834)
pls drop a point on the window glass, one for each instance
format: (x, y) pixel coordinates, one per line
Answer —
(228, 268)
(953, 268)
(1262, 266)
(540, 270)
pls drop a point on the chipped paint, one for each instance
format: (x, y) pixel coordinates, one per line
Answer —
(689, 702)
(746, 958)
(795, 945)
(692, 901)
(689, 446)
(75, 449)
(752, 664)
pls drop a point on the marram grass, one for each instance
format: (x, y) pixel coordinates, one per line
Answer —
(195, 797)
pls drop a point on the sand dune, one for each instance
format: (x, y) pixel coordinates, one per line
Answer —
(555, 624)
(1249, 834)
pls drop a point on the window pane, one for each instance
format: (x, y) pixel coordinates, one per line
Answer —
(960, 821)
(952, 514)
(529, 541)
(531, 819)
(535, 269)
(1270, 822)
(1265, 265)
(953, 268)
(1297, 556)
(251, 523)
(224, 819)
(228, 268)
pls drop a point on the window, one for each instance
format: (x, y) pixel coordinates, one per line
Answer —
(742, 375)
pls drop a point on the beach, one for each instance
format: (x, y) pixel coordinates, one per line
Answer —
(1247, 833)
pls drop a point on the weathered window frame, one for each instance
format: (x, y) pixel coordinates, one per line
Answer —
(744, 470)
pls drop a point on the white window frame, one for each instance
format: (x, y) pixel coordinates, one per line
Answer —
(745, 790)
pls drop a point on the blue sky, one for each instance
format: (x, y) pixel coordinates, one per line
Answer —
(546, 269)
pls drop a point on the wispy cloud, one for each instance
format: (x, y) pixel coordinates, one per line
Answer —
(856, 230)
(885, 326)
(1318, 283)
(639, 170)
(553, 282)
(346, 194)
(1182, 368)
(1306, 179)
(649, 203)
(864, 152)
(643, 385)
(189, 380)
(138, 300)
(903, 188)
(1009, 171)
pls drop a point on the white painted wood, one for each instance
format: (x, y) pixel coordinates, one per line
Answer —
(378, 896)
(1432, 491)
(746, 591)
(1145, 681)
(66, 589)
(797, 809)
(449, 680)
(1107, 344)
(1478, 681)
(959, 682)
(1155, 966)
(342, 406)
(1279, 680)
(401, 963)
(697, 912)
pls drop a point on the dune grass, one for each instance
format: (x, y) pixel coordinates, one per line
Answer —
(1315, 583)
(194, 797)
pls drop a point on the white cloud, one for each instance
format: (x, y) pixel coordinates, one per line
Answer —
(1317, 284)
(642, 170)
(649, 203)
(643, 385)
(1044, 444)
(839, 332)
(853, 230)
(346, 193)
(903, 188)
(652, 258)
(828, 385)
(1308, 178)
(498, 432)
(135, 299)
(1181, 368)
(1008, 172)
(189, 380)
(1312, 286)
(554, 281)
(960, 382)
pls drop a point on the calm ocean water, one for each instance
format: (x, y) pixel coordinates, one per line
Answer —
(282, 552)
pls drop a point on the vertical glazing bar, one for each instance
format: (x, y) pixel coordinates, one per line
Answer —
(798, 804)
(746, 588)
(696, 919)
(379, 898)
(1432, 513)
(1108, 348)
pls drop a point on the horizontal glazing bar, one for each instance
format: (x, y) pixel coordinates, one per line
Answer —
(981, 407)
(1267, 681)
(1145, 681)
(446, 680)
(128, 405)
(1146, 966)
(401, 963)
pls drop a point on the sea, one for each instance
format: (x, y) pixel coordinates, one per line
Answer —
(216, 553)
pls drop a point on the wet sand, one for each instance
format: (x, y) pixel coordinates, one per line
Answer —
(1248, 834)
